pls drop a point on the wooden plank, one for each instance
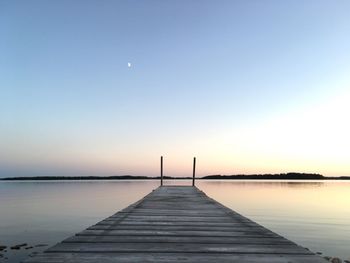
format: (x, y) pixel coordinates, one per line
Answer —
(172, 258)
(175, 228)
(164, 217)
(183, 207)
(158, 223)
(176, 224)
(177, 248)
(178, 239)
(172, 218)
(177, 233)
(153, 212)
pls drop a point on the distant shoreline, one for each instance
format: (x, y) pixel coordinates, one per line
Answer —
(282, 176)
(121, 177)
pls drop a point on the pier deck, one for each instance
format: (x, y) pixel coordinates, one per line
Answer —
(176, 224)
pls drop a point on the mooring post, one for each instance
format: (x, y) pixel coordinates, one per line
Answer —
(161, 171)
(194, 170)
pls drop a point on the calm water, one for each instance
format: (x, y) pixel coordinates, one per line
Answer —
(313, 214)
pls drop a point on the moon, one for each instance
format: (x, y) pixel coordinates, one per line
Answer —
(129, 65)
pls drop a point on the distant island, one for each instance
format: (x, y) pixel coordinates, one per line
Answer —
(282, 176)
(116, 177)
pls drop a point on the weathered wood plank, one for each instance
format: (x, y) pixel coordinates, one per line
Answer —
(177, 233)
(178, 212)
(171, 219)
(178, 248)
(179, 239)
(235, 228)
(158, 223)
(172, 258)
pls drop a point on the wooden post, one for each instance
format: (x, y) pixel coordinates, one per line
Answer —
(161, 171)
(194, 170)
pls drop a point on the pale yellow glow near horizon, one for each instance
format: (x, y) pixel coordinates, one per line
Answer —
(314, 139)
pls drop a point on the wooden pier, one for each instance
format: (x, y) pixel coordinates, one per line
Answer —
(176, 224)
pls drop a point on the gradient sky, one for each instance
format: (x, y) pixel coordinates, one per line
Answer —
(246, 86)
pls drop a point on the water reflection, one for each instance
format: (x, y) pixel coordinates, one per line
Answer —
(266, 183)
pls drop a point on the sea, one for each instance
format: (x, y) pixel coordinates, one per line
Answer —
(314, 214)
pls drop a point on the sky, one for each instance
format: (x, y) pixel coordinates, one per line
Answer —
(107, 87)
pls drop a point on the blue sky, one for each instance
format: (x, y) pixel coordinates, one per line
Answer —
(208, 78)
